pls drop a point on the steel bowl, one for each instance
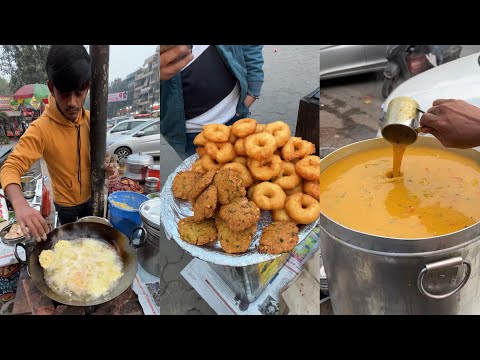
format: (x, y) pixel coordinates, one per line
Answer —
(10, 242)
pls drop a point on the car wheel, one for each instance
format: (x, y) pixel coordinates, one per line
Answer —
(387, 87)
(123, 152)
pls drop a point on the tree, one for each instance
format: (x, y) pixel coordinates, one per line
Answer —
(4, 87)
(25, 64)
(3, 122)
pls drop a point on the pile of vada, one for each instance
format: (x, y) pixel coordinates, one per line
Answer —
(243, 169)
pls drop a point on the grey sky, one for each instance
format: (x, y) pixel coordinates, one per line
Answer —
(125, 59)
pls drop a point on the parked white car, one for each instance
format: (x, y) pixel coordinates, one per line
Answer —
(123, 127)
(144, 138)
(114, 121)
(458, 79)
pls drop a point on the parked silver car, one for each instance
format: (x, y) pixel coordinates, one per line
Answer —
(144, 138)
(123, 127)
(345, 60)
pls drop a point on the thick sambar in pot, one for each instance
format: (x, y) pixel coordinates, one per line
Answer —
(438, 192)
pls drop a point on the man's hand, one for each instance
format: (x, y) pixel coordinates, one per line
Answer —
(26, 216)
(249, 100)
(173, 60)
(455, 123)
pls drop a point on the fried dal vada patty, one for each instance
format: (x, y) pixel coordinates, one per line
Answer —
(278, 237)
(229, 185)
(197, 233)
(202, 183)
(183, 184)
(46, 258)
(205, 204)
(234, 242)
(240, 214)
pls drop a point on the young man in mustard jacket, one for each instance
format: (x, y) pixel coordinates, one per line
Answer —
(61, 135)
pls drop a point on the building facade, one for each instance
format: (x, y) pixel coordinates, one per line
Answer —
(146, 85)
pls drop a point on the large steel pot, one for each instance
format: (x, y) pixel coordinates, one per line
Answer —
(74, 231)
(149, 254)
(370, 274)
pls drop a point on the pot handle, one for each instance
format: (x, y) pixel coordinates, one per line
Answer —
(17, 255)
(142, 237)
(444, 264)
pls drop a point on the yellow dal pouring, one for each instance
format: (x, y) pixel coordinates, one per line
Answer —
(438, 193)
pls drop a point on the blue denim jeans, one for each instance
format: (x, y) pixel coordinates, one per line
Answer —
(190, 136)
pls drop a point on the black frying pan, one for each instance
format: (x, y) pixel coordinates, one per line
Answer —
(75, 231)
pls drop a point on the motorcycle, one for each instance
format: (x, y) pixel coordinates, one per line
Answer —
(408, 60)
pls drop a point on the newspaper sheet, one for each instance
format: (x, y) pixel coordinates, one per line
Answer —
(221, 297)
(147, 287)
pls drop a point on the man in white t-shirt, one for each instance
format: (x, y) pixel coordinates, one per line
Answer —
(206, 84)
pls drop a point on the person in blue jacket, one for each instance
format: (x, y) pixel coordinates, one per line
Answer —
(206, 84)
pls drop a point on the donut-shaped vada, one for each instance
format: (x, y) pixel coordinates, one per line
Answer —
(198, 167)
(260, 128)
(296, 189)
(312, 188)
(240, 159)
(269, 196)
(281, 215)
(260, 146)
(240, 147)
(232, 139)
(250, 190)
(288, 177)
(244, 127)
(216, 132)
(266, 169)
(297, 148)
(247, 178)
(309, 168)
(200, 140)
(302, 208)
(200, 150)
(209, 163)
(222, 152)
(280, 131)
